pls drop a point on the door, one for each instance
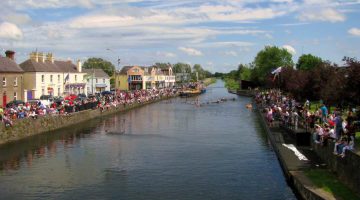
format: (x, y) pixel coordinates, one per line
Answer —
(4, 100)
(29, 94)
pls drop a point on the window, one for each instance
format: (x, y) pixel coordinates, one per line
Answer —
(103, 80)
(119, 83)
(51, 78)
(42, 78)
(15, 95)
(59, 92)
(75, 78)
(4, 81)
(58, 78)
(43, 91)
(96, 81)
(15, 81)
(135, 70)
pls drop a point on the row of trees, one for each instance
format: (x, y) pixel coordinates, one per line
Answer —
(310, 78)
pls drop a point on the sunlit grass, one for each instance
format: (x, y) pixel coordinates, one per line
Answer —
(328, 182)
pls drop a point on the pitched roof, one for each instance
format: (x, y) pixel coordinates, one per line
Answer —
(125, 69)
(47, 66)
(8, 65)
(66, 66)
(97, 72)
(33, 66)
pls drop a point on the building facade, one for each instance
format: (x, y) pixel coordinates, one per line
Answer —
(45, 76)
(11, 77)
(135, 77)
(97, 81)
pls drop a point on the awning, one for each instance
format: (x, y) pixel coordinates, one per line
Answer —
(75, 85)
(100, 85)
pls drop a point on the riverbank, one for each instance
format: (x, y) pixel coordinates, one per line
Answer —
(302, 165)
(28, 127)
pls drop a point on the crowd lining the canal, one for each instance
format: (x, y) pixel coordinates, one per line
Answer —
(288, 122)
(325, 126)
(103, 102)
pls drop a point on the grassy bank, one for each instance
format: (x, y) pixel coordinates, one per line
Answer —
(209, 81)
(325, 180)
(231, 84)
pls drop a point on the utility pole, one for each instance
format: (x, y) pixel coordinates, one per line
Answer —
(118, 65)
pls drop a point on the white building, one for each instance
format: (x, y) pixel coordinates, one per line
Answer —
(45, 76)
(97, 81)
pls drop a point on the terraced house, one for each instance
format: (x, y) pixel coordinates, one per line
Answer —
(11, 76)
(43, 75)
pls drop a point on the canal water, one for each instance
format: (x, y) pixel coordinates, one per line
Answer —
(173, 149)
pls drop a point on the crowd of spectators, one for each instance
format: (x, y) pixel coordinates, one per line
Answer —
(35, 109)
(337, 126)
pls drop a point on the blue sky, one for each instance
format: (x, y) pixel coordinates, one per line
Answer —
(216, 34)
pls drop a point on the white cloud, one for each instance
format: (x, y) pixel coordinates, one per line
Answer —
(10, 31)
(354, 31)
(191, 51)
(326, 14)
(290, 49)
(224, 44)
(16, 18)
(231, 53)
(165, 54)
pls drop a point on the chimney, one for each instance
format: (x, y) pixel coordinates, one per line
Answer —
(10, 54)
(41, 57)
(50, 57)
(79, 66)
(34, 56)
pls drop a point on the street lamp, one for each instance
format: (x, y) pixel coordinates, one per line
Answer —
(118, 66)
(118, 58)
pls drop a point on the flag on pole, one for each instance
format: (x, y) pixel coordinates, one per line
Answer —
(276, 72)
(67, 77)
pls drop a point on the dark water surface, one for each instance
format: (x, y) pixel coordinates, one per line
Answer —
(168, 150)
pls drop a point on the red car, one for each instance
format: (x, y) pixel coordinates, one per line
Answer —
(71, 97)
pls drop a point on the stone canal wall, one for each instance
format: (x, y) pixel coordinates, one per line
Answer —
(27, 127)
(346, 169)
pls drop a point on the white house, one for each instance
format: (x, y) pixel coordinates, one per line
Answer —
(97, 81)
(45, 76)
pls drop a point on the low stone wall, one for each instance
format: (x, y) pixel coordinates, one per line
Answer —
(346, 169)
(27, 127)
(246, 93)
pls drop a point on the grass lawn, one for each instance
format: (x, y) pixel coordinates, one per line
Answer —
(316, 105)
(328, 182)
(357, 140)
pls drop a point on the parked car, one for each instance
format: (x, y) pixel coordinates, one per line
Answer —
(103, 93)
(15, 102)
(46, 100)
(58, 99)
(33, 101)
(71, 97)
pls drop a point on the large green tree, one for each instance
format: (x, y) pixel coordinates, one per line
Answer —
(99, 63)
(268, 59)
(308, 61)
(244, 72)
(181, 68)
(162, 65)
